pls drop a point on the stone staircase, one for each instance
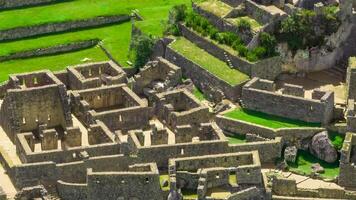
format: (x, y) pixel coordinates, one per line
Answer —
(202, 183)
(228, 61)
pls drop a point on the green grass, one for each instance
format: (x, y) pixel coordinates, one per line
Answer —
(267, 120)
(115, 38)
(53, 63)
(305, 160)
(337, 139)
(198, 94)
(216, 7)
(209, 62)
(161, 179)
(255, 26)
(236, 139)
(83, 9)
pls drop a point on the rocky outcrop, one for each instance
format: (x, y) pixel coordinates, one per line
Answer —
(322, 148)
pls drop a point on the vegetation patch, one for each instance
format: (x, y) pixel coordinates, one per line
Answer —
(236, 139)
(254, 25)
(115, 38)
(337, 139)
(209, 62)
(198, 94)
(304, 162)
(267, 42)
(304, 29)
(266, 120)
(53, 63)
(216, 7)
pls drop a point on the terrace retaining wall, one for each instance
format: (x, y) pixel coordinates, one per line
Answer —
(268, 151)
(74, 46)
(268, 68)
(204, 80)
(290, 135)
(7, 4)
(29, 31)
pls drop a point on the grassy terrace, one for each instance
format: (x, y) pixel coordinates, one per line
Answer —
(216, 7)
(53, 63)
(209, 62)
(115, 38)
(236, 139)
(81, 9)
(267, 120)
(255, 25)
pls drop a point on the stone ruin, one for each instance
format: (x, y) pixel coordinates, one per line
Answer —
(84, 132)
(347, 161)
(290, 101)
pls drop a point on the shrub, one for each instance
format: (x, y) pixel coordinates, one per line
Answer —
(177, 14)
(260, 52)
(242, 50)
(141, 49)
(268, 42)
(244, 25)
(251, 56)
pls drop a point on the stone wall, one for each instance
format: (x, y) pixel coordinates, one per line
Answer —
(259, 13)
(7, 4)
(319, 109)
(204, 80)
(284, 188)
(268, 68)
(246, 194)
(268, 151)
(23, 32)
(75, 46)
(347, 166)
(72, 191)
(34, 98)
(3, 88)
(290, 135)
(124, 185)
(351, 79)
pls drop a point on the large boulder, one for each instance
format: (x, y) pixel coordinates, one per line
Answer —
(322, 148)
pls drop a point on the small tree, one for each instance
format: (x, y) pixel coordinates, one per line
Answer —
(141, 49)
(269, 43)
(176, 15)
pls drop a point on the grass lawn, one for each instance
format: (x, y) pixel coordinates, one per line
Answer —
(198, 94)
(336, 139)
(209, 62)
(82, 9)
(305, 160)
(163, 178)
(53, 63)
(115, 38)
(216, 7)
(236, 139)
(267, 120)
(255, 26)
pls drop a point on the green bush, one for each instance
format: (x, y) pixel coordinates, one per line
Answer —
(176, 15)
(298, 30)
(268, 42)
(244, 25)
(260, 52)
(141, 49)
(251, 56)
(242, 50)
